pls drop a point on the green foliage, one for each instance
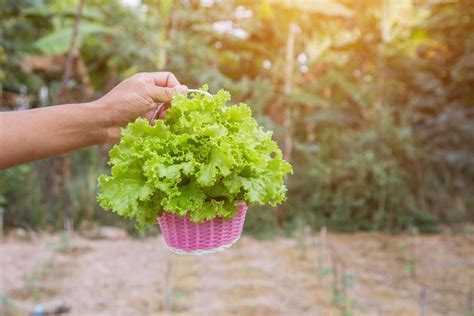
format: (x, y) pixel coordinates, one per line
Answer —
(6, 304)
(375, 189)
(381, 100)
(60, 41)
(10, 180)
(22, 206)
(201, 160)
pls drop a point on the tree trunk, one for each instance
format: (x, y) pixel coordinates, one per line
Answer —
(288, 88)
(60, 173)
(72, 54)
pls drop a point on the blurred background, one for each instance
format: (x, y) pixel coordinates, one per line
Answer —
(372, 101)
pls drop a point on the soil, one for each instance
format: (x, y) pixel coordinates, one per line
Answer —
(352, 274)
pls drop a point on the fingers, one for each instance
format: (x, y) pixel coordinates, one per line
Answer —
(162, 79)
(182, 89)
(161, 94)
(162, 112)
(151, 115)
(161, 115)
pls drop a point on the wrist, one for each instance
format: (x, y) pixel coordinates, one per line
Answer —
(102, 120)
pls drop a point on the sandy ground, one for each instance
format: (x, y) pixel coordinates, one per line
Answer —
(355, 274)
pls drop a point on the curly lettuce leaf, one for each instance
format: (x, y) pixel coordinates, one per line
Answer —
(201, 160)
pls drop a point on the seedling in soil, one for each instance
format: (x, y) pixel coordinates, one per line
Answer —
(2, 211)
(413, 261)
(341, 282)
(322, 255)
(409, 260)
(30, 284)
(410, 267)
(340, 298)
(470, 300)
(180, 293)
(64, 242)
(346, 303)
(324, 273)
(302, 236)
(6, 305)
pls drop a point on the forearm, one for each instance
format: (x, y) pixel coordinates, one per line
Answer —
(47, 132)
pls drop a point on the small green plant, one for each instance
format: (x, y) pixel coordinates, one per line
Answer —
(346, 303)
(408, 257)
(6, 305)
(30, 283)
(201, 160)
(325, 272)
(64, 243)
(302, 234)
(463, 230)
(342, 281)
(180, 292)
(340, 297)
(410, 266)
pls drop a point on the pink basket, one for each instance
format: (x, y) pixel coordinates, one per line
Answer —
(185, 237)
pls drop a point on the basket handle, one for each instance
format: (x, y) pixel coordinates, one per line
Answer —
(160, 105)
(200, 91)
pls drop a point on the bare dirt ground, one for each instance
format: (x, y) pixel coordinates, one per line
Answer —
(336, 274)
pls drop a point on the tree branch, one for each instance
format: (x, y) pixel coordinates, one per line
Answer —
(72, 49)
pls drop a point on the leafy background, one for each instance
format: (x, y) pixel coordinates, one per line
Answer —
(371, 101)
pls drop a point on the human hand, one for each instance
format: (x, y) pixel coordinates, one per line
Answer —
(136, 96)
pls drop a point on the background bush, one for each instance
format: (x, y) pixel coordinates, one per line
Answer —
(375, 112)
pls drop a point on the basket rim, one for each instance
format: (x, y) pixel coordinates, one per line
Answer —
(239, 204)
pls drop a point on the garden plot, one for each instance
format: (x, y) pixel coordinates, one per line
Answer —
(359, 274)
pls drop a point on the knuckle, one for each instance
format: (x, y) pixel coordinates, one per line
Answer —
(138, 75)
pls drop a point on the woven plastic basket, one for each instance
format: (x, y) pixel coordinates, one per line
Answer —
(185, 237)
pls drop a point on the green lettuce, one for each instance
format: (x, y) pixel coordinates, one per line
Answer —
(201, 160)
